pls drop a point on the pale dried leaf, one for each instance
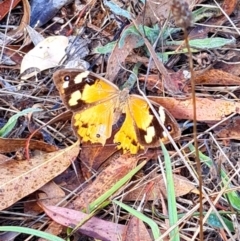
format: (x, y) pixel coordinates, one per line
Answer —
(50, 194)
(136, 230)
(45, 55)
(119, 55)
(20, 178)
(53, 193)
(182, 186)
(53, 228)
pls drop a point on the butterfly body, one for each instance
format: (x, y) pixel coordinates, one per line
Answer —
(97, 105)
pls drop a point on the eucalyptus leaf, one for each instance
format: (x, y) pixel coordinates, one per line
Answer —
(214, 221)
(207, 43)
(106, 49)
(117, 10)
(131, 31)
(163, 57)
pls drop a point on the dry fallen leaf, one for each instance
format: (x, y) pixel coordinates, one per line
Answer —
(182, 186)
(5, 7)
(20, 178)
(50, 194)
(118, 55)
(94, 227)
(45, 55)
(53, 228)
(94, 155)
(216, 77)
(16, 33)
(158, 11)
(232, 56)
(232, 130)
(10, 145)
(15, 53)
(207, 109)
(136, 230)
(105, 180)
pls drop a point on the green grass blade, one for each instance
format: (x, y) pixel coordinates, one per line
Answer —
(13, 120)
(172, 207)
(100, 202)
(116, 187)
(154, 227)
(30, 231)
(233, 196)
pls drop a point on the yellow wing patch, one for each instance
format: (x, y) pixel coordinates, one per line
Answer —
(95, 124)
(126, 137)
(75, 96)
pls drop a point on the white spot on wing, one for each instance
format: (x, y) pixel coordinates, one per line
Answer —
(162, 114)
(75, 96)
(78, 79)
(150, 134)
(65, 84)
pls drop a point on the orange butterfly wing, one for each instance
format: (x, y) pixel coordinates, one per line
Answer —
(92, 100)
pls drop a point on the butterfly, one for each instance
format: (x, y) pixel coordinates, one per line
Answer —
(97, 104)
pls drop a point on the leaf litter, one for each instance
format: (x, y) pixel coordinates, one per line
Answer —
(145, 35)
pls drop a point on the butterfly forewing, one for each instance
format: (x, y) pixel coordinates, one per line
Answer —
(82, 89)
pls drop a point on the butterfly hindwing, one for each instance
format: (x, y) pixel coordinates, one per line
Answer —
(95, 123)
(141, 128)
